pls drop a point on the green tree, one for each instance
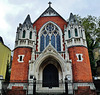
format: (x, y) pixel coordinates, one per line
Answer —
(91, 26)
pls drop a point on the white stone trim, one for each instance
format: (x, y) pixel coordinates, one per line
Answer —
(64, 69)
(26, 42)
(50, 51)
(76, 85)
(77, 55)
(73, 40)
(24, 85)
(19, 58)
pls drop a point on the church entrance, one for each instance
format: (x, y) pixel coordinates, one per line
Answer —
(50, 76)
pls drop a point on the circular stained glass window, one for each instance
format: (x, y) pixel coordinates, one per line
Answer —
(50, 27)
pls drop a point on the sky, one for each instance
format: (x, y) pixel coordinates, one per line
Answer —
(13, 12)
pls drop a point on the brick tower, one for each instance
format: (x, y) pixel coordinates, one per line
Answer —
(77, 47)
(24, 43)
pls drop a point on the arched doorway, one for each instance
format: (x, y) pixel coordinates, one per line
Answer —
(50, 76)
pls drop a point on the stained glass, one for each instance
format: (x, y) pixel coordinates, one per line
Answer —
(45, 32)
(54, 34)
(57, 29)
(47, 40)
(53, 40)
(50, 27)
(58, 43)
(42, 43)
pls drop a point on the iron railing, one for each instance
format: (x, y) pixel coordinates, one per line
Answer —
(61, 89)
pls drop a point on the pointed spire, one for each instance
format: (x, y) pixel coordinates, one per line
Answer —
(72, 19)
(71, 16)
(27, 20)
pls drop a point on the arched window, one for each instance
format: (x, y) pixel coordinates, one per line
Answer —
(30, 36)
(58, 43)
(53, 40)
(47, 40)
(42, 43)
(50, 32)
(69, 34)
(76, 33)
(24, 32)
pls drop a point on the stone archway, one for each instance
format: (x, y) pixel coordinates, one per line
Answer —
(50, 76)
(49, 64)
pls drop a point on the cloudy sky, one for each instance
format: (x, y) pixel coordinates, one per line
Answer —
(13, 12)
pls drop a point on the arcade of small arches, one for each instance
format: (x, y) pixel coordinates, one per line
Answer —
(76, 33)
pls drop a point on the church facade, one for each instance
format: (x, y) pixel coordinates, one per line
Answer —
(51, 57)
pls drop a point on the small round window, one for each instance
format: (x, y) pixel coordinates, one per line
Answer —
(50, 27)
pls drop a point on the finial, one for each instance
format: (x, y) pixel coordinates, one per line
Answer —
(49, 4)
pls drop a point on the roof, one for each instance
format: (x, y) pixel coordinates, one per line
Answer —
(27, 20)
(1, 40)
(49, 12)
(72, 19)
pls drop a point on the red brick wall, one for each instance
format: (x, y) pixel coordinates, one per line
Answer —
(56, 19)
(19, 71)
(84, 91)
(16, 90)
(81, 70)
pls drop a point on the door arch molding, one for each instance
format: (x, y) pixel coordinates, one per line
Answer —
(40, 65)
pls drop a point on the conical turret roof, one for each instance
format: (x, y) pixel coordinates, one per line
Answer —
(27, 20)
(72, 19)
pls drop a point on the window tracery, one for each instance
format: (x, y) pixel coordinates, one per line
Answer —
(50, 32)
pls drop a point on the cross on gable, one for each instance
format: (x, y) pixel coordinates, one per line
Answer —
(49, 4)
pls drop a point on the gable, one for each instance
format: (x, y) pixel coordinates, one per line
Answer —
(49, 15)
(50, 12)
(56, 19)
